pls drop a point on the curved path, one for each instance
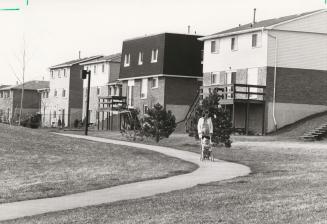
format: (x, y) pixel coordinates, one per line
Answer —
(207, 172)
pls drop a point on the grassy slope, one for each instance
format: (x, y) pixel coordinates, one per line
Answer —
(287, 185)
(300, 127)
(36, 164)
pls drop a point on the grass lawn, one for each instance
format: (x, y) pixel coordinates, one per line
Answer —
(37, 164)
(287, 185)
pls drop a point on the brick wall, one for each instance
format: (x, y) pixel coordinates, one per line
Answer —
(299, 86)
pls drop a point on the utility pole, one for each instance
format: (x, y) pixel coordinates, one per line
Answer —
(86, 74)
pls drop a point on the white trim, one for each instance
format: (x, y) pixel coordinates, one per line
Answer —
(161, 75)
(230, 34)
(79, 62)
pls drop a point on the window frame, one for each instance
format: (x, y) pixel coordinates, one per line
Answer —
(154, 55)
(216, 75)
(127, 60)
(145, 109)
(234, 45)
(157, 83)
(216, 48)
(144, 86)
(140, 60)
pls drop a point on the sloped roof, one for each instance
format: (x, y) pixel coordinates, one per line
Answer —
(263, 23)
(76, 61)
(109, 58)
(3, 86)
(30, 85)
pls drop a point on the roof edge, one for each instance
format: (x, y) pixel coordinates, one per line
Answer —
(230, 33)
(301, 17)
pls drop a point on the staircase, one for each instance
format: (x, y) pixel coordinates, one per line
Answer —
(191, 111)
(315, 134)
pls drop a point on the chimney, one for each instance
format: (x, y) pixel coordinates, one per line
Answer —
(188, 29)
(79, 54)
(254, 12)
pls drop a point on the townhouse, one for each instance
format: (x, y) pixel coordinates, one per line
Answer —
(163, 68)
(104, 76)
(10, 100)
(270, 73)
(63, 101)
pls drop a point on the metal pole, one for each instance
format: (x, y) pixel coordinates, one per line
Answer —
(88, 103)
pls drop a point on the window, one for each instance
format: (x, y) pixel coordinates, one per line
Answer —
(127, 60)
(214, 78)
(140, 58)
(130, 91)
(52, 76)
(95, 69)
(144, 88)
(98, 90)
(154, 55)
(115, 90)
(256, 40)
(234, 45)
(54, 114)
(154, 82)
(63, 93)
(55, 93)
(111, 91)
(59, 75)
(46, 94)
(215, 46)
(145, 109)
(65, 75)
(102, 67)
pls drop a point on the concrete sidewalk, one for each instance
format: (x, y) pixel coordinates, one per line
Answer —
(207, 172)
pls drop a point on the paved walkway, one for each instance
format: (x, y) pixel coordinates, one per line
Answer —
(207, 172)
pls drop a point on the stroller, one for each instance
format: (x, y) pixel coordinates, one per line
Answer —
(206, 149)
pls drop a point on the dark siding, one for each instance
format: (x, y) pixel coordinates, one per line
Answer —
(299, 86)
(145, 45)
(183, 55)
(178, 54)
(181, 91)
(75, 87)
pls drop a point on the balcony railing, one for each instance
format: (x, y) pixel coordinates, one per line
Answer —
(238, 91)
(109, 103)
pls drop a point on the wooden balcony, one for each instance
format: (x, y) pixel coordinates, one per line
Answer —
(111, 103)
(231, 93)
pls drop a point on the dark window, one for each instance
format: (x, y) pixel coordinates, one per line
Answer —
(213, 46)
(254, 40)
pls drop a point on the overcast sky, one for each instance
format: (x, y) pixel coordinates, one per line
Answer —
(55, 30)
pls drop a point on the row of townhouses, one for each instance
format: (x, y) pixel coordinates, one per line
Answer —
(270, 74)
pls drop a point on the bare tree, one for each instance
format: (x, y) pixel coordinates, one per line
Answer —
(23, 77)
(20, 76)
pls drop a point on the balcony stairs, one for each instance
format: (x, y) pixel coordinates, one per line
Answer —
(315, 134)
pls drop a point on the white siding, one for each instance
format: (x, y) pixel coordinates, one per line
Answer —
(298, 50)
(245, 57)
(313, 23)
(99, 78)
